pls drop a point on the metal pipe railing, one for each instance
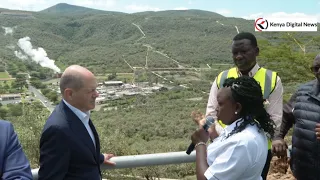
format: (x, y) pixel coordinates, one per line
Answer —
(148, 160)
(144, 160)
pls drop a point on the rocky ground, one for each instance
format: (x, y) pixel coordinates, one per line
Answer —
(280, 170)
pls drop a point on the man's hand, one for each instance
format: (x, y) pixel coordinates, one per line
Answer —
(317, 131)
(279, 147)
(200, 120)
(107, 158)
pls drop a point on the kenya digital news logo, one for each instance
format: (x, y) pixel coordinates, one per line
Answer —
(261, 24)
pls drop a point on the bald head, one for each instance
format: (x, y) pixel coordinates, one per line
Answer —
(73, 77)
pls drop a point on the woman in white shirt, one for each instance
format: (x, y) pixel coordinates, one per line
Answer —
(240, 152)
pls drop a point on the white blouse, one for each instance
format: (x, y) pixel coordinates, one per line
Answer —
(242, 156)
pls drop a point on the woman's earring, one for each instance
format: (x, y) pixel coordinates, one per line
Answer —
(236, 112)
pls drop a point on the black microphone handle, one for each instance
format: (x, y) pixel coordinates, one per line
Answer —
(206, 126)
(190, 148)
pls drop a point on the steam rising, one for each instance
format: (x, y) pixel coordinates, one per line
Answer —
(8, 30)
(38, 55)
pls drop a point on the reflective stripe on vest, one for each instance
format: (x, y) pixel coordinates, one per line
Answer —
(266, 79)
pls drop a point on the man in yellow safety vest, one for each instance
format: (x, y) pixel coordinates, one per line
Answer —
(244, 52)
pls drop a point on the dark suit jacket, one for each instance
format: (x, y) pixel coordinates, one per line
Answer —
(13, 162)
(66, 148)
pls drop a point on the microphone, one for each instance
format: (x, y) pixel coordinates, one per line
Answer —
(206, 126)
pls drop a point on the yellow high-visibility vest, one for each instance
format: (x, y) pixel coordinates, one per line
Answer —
(266, 78)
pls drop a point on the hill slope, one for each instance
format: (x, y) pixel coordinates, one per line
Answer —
(101, 40)
(67, 9)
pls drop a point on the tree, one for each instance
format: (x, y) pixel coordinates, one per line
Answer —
(15, 110)
(29, 127)
(297, 64)
(2, 69)
(42, 75)
(45, 91)
(3, 112)
(35, 74)
(316, 41)
(37, 84)
(20, 81)
(53, 96)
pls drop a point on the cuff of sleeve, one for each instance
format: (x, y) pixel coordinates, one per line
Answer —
(101, 158)
(209, 175)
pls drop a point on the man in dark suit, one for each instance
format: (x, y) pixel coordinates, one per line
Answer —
(69, 144)
(13, 162)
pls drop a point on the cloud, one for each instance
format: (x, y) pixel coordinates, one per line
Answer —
(181, 8)
(282, 15)
(190, 2)
(26, 2)
(139, 8)
(223, 11)
(23, 5)
(253, 16)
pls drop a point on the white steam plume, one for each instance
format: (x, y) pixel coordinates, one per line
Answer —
(38, 55)
(20, 55)
(8, 30)
(10, 47)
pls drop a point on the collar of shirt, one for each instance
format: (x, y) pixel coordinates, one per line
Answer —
(252, 72)
(83, 116)
(231, 127)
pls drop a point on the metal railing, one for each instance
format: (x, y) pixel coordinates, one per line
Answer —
(144, 160)
(148, 160)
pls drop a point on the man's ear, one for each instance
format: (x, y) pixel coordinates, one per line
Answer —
(257, 51)
(68, 93)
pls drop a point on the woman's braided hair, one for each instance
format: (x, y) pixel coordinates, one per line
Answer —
(246, 91)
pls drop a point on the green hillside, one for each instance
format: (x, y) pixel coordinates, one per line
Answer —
(106, 41)
(67, 9)
(100, 39)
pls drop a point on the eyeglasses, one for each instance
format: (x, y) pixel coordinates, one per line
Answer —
(315, 69)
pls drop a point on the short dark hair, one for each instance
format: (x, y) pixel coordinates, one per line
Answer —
(247, 35)
(73, 81)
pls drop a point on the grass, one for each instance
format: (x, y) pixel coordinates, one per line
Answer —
(4, 75)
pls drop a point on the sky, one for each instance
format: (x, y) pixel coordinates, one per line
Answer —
(248, 9)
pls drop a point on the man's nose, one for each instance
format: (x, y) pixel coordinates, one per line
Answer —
(238, 56)
(96, 93)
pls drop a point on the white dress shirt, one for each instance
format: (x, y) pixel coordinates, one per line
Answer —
(84, 117)
(274, 109)
(241, 156)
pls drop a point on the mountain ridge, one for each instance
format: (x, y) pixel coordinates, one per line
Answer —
(102, 40)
